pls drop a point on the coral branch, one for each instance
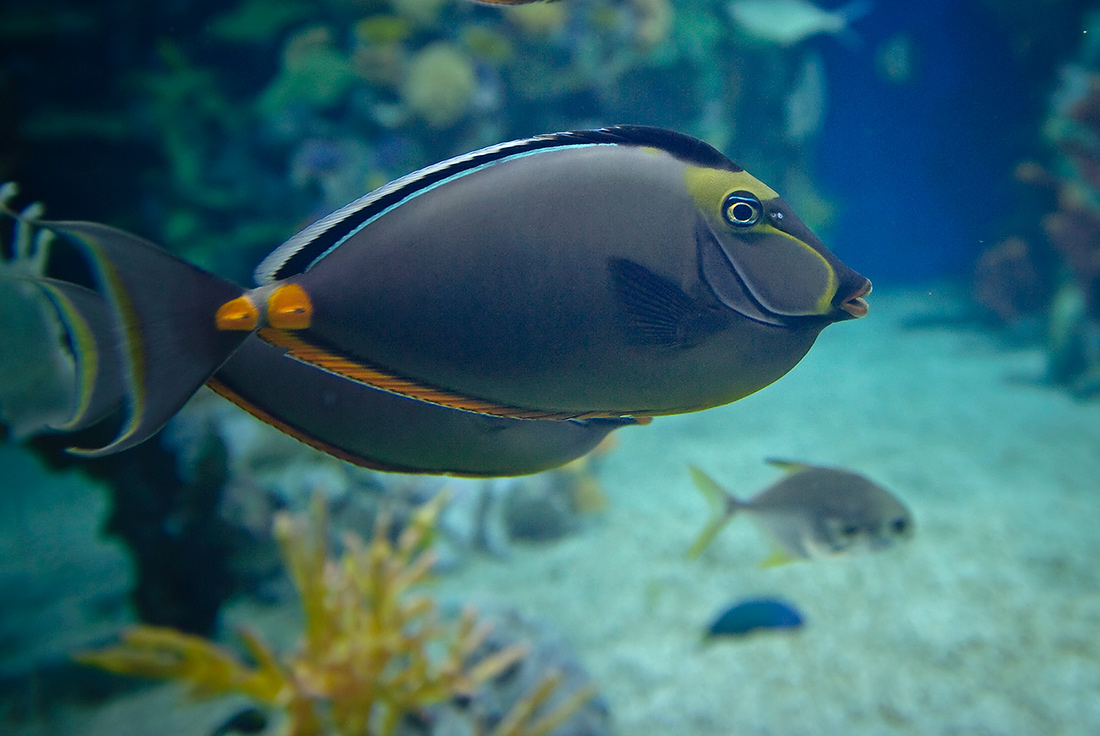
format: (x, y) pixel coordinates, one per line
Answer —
(372, 651)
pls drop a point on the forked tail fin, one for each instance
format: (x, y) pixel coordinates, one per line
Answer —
(722, 508)
(98, 371)
(164, 332)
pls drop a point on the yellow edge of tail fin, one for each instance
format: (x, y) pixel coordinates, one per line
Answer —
(130, 326)
(720, 512)
(714, 493)
(85, 351)
(776, 557)
(788, 466)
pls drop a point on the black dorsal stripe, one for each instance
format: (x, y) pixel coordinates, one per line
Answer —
(300, 252)
(682, 146)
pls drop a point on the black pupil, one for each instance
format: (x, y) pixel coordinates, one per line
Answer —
(899, 525)
(742, 212)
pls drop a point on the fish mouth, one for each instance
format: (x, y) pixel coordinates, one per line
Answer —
(855, 304)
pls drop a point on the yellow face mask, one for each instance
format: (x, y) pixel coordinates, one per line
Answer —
(777, 268)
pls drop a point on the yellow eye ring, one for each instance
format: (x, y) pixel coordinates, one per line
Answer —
(742, 209)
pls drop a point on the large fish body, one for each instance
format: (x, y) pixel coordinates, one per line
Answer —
(526, 301)
(349, 420)
(620, 272)
(589, 276)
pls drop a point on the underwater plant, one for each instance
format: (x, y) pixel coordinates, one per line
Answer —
(1055, 269)
(440, 85)
(37, 382)
(372, 650)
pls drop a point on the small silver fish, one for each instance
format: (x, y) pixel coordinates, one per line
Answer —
(786, 22)
(812, 512)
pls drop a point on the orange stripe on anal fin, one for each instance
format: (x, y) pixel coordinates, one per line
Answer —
(359, 372)
(302, 436)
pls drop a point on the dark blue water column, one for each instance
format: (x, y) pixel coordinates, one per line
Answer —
(922, 168)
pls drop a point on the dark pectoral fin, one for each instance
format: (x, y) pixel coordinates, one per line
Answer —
(655, 310)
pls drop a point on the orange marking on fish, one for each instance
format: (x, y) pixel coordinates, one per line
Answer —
(289, 308)
(359, 372)
(238, 314)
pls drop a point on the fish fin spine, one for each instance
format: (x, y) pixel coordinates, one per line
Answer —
(237, 315)
(289, 308)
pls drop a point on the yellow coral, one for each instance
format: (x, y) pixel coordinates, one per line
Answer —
(540, 19)
(372, 650)
(654, 23)
(440, 84)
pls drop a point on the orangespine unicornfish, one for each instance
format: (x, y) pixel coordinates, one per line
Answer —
(621, 272)
(360, 424)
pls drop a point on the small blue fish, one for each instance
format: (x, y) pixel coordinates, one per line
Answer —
(750, 615)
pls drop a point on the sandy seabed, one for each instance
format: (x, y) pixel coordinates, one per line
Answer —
(986, 622)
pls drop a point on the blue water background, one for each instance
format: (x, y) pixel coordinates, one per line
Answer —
(925, 168)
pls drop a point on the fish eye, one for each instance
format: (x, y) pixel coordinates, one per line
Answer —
(899, 525)
(850, 531)
(742, 209)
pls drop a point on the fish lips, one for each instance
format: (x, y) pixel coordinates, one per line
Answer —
(855, 305)
(732, 284)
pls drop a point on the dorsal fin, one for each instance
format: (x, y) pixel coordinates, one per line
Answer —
(789, 466)
(303, 250)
